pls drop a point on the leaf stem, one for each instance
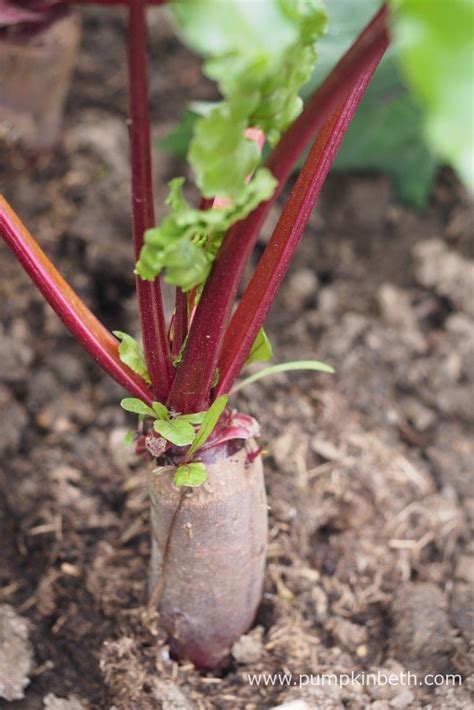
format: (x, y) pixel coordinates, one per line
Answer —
(76, 316)
(273, 265)
(153, 327)
(191, 386)
(180, 322)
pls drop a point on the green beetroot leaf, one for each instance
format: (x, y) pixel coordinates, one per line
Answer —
(131, 353)
(190, 474)
(261, 349)
(208, 425)
(314, 365)
(187, 240)
(435, 43)
(259, 75)
(136, 406)
(177, 431)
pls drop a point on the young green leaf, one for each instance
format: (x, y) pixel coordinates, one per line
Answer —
(187, 240)
(136, 406)
(190, 474)
(160, 410)
(176, 431)
(284, 367)
(209, 423)
(259, 75)
(131, 353)
(196, 418)
(261, 349)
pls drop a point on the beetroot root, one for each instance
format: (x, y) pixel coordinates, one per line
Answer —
(208, 556)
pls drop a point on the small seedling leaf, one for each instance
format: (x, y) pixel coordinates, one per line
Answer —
(261, 349)
(176, 431)
(136, 406)
(285, 367)
(131, 354)
(196, 418)
(160, 410)
(209, 423)
(190, 474)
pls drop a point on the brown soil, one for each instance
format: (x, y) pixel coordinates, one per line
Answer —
(369, 473)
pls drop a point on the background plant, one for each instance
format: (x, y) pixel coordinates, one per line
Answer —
(393, 130)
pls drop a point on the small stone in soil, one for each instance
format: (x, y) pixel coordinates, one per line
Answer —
(326, 697)
(402, 700)
(249, 647)
(16, 654)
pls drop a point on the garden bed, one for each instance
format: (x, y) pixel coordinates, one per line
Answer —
(370, 484)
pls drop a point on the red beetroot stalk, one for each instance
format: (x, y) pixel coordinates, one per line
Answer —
(153, 327)
(83, 325)
(180, 322)
(241, 239)
(273, 265)
(192, 383)
(191, 390)
(369, 46)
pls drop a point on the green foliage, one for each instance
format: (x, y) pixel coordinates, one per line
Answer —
(196, 418)
(187, 240)
(136, 406)
(190, 474)
(261, 349)
(221, 156)
(259, 74)
(386, 133)
(284, 367)
(435, 44)
(177, 431)
(419, 101)
(210, 420)
(131, 353)
(160, 411)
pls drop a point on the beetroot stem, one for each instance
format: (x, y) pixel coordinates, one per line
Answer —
(153, 326)
(76, 316)
(190, 390)
(273, 265)
(180, 321)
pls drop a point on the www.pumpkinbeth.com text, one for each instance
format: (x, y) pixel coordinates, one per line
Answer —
(363, 678)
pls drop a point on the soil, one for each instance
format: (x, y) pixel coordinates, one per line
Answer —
(369, 472)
